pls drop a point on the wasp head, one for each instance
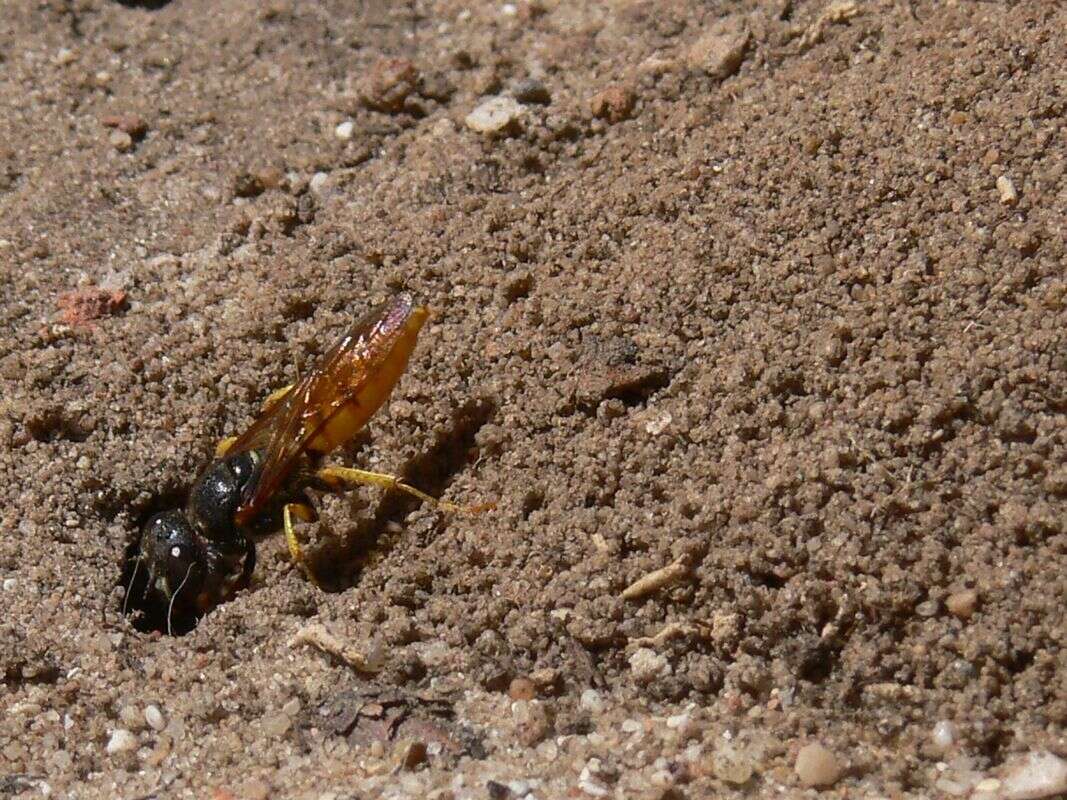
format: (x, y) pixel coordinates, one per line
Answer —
(173, 554)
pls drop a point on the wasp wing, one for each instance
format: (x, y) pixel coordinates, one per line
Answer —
(332, 402)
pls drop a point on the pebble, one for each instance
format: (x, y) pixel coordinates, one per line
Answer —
(389, 84)
(154, 717)
(531, 90)
(817, 766)
(10, 584)
(276, 724)
(410, 754)
(927, 608)
(630, 726)
(121, 141)
(318, 181)
(522, 689)
(591, 700)
(1006, 190)
(531, 721)
(121, 741)
(344, 130)
(613, 104)
(495, 115)
(945, 734)
(132, 124)
(721, 49)
(647, 665)
(1036, 775)
(962, 604)
(731, 766)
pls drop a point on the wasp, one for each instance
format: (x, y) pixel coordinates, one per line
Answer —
(201, 555)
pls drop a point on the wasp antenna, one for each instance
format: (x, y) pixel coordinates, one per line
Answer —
(133, 579)
(170, 605)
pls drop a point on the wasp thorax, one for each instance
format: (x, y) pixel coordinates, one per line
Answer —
(216, 496)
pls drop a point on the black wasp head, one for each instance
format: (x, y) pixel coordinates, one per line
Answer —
(172, 554)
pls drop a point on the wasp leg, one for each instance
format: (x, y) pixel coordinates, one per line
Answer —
(307, 514)
(340, 477)
(223, 447)
(275, 396)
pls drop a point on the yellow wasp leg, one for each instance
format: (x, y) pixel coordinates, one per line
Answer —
(339, 477)
(307, 514)
(275, 396)
(223, 447)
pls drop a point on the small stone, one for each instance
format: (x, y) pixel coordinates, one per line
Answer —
(927, 608)
(1038, 774)
(591, 700)
(647, 665)
(247, 184)
(121, 141)
(154, 717)
(731, 766)
(495, 116)
(131, 717)
(817, 766)
(531, 90)
(987, 786)
(1006, 189)
(10, 584)
(962, 604)
(720, 50)
(132, 124)
(65, 56)
(522, 689)
(532, 723)
(410, 754)
(945, 734)
(121, 741)
(389, 83)
(509, 9)
(344, 130)
(614, 104)
(318, 181)
(275, 724)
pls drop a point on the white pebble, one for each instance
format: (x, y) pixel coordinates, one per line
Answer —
(1038, 774)
(344, 130)
(1006, 189)
(10, 584)
(678, 721)
(509, 9)
(647, 665)
(945, 734)
(494, 115)
(630, 726)
(592, 701)
(154, 717)
(121, 741)
(318, 180)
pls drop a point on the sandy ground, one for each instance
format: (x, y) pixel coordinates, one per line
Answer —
(769, 294)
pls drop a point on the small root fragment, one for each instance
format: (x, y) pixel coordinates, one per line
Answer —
(655, 581)
(670, 631)
(321, 639)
